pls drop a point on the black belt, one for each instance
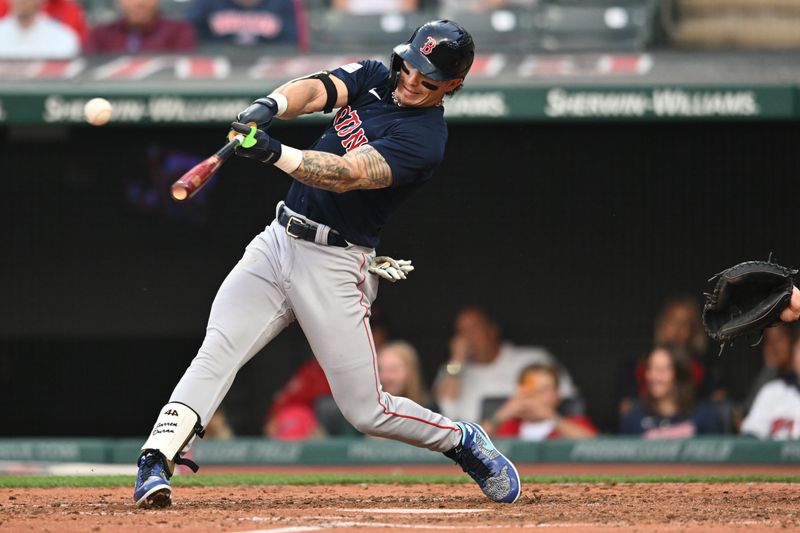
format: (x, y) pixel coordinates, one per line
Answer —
(300, 229)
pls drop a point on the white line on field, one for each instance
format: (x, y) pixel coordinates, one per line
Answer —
(417, 526)
(544, 525)
(334, 525)
(293, 529)
(414, 511)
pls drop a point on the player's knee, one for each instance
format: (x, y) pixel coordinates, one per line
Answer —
(365, 420)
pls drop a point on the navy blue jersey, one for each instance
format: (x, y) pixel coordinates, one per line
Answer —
(639, 421)
(411, 140)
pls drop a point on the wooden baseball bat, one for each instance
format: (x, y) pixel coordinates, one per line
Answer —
(194, 179)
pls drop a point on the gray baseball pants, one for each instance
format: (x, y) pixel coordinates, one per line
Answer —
(328, 290)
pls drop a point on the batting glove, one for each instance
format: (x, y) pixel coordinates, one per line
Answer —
(259, 113)
(257, 144)
(390, 269)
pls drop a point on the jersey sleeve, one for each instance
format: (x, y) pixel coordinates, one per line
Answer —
(361, 77)
(411, 152)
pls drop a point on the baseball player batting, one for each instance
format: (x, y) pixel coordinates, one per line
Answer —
(310, 264)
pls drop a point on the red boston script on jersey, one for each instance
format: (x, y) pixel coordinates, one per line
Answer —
(348, 127)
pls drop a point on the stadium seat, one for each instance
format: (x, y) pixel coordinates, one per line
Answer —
(506, 30)
(339, 32)
(489, 407)
(105, 11)
(578, 25)
(502, 30)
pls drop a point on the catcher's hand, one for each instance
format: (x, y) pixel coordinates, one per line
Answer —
(390, 269)
(792, 313)
(749, 297)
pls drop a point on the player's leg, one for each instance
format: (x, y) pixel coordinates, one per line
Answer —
(249, 310)
(331, 294)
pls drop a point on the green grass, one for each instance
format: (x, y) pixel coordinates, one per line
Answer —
(216, 480)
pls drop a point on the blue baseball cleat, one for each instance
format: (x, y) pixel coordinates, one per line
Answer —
(152, 487)
(490, 469)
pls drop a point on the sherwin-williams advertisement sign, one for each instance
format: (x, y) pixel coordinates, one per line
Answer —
(506, 104)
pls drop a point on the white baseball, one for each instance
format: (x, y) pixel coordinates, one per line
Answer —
(97, 111)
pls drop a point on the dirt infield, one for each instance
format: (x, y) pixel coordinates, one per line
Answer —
(365, 508)
(544, 469)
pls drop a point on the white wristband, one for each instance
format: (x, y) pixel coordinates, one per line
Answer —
(290, 159)
(282, 102)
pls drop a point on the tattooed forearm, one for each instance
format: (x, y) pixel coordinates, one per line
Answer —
(323, 170)
(363, 168)
(372, 165)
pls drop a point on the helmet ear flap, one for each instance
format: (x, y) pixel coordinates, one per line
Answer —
(394, 70)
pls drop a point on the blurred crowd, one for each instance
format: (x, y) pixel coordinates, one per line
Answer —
(66, 28)
(526, 392)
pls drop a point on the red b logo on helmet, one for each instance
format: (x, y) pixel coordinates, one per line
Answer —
(429, 45)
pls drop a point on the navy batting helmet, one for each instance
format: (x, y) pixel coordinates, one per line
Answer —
(440, 49)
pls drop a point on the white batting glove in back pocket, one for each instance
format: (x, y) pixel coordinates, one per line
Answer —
(390, 269)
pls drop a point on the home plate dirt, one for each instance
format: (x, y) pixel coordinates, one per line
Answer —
(644, 507)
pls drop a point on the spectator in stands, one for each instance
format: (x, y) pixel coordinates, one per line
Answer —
(66, 11)
(250, 22)
(375, 7)
(303, 389)
(295, 422)
(483, 367)
(399, 372)
(776, 409)
(776, 352)
(532, 412)
(668, 408)
(218, 427)
(29, 33)
(677, 323)
(141, 29)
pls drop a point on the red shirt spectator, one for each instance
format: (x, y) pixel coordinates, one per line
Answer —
(532, 412)
(66, 11)
(142, 29)
(305, 386)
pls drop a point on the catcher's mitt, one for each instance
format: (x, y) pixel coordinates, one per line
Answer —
(747, 298)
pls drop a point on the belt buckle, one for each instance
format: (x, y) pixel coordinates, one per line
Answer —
(295, 219)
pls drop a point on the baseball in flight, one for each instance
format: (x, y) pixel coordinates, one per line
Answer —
(97, 111)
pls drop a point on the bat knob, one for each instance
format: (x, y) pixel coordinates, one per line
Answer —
(179, 192)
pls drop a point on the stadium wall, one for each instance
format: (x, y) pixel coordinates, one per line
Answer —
(572, 234)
